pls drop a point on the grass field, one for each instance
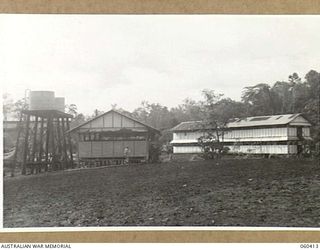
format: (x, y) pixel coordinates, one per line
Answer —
(230, 192)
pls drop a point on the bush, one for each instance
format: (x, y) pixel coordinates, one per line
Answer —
(154, 152)
(211, 148)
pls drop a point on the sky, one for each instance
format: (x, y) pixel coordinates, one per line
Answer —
(95, 61)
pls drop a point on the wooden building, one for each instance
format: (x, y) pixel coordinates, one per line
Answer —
(277, 134)
(103, 139)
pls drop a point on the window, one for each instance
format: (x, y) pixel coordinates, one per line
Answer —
(86, 137)
(92, 137)
(97, 137)
(262, 118)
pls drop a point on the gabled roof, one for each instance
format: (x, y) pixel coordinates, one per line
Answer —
(263, 120)
(190, 126)
(254, 121)
(118, 112)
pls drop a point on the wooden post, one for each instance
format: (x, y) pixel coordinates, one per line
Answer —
(25, 151)
(80, 138)
(70, 143)
(53, 153)
(61, 162)
(147, 147)
(34, 147)
(64, 143)
(40, 147)
(47, 142)
(20, 127)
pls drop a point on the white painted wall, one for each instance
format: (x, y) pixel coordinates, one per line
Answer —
(257, 134)
(244, 135)
(292, 132)
(299, 121)
(259, 149)
(186, 149)
(306, 132)
(187, 135)
(245, 149)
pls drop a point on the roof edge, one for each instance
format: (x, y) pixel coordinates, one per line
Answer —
(113, 110)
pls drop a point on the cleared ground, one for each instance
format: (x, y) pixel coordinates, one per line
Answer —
(230, 192)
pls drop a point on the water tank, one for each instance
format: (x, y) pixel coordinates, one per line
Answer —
(59, 103)
(41, 100)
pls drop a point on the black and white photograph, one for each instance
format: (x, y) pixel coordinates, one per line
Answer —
(207, 121)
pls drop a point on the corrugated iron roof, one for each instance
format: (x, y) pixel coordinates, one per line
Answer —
(190, 126)
(262, 120)
(253, 121)
(118, 112)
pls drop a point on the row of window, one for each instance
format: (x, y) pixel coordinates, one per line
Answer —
(247, 133)
(101, 137)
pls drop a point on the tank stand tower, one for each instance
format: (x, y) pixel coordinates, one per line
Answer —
(43, 141)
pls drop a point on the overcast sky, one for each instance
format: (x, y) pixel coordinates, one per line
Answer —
(98, 60)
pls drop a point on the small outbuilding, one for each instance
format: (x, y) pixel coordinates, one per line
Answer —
(111, 137)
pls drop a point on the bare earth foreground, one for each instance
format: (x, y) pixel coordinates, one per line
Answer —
(246, 192)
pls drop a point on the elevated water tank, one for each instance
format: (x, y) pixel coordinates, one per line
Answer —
(59, 103)
(41, 100)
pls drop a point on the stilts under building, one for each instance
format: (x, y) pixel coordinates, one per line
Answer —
(42, 142)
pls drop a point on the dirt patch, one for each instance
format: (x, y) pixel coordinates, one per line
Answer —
(247, 192)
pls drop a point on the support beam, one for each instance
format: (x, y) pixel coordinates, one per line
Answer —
(26, 147)
(147, 147)
(20, 127)
(47, 142)
(70, 143)
(53, 153)
(40, 146)
(64, 143)
(59, 143)
(34, 143)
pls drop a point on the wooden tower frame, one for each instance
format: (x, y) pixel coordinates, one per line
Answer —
(45, 145)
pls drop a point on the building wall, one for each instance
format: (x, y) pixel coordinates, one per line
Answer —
(247, 135)
(256, 134)
(299, 121)
(186, 140)
(112, 120)
(186, 149)
(111, 149)
(306, 132)
(245, 149)
(259, 149)
(187, 135)
(93, 144)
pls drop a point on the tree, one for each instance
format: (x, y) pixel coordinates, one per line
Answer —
(261, 98)
(313, 83)
(72, 109)
(77, 120)
(217, 113)
(7, 106)
(282, 99)
(312, 103)
(96, 113)
(294, 81)
(13, 109)
(155, 115)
